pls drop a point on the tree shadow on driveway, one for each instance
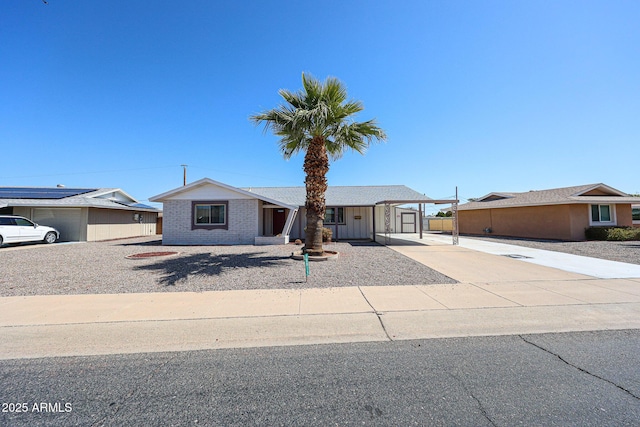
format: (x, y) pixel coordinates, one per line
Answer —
(174, 270)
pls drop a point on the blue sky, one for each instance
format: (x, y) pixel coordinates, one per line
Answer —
(483, 95)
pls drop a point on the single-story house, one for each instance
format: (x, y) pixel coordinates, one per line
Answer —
(559, 213)
(81, 214)
(207, 212)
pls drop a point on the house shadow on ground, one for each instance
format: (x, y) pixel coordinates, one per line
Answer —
(174, 270)
(154, 242)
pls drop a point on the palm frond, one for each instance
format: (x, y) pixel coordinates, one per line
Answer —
(319, 109)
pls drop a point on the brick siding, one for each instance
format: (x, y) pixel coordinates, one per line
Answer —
(242, 217)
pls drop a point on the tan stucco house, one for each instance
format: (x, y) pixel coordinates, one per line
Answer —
(559, 213)
(81, 214)
(208, 212)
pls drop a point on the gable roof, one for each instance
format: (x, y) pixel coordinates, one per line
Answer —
(208, 181)
(294, 197)
(581, 194)
(369, 195)
(62, 197)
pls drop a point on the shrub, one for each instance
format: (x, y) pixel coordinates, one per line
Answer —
(327, 234)
(623, 234)
(596, 233)
(612, 233)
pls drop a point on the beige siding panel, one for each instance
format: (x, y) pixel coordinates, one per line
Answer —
(297, 230)
(106, 224)
(354, 228)
(380, 228)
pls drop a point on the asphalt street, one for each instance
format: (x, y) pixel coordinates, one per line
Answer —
(576, 378)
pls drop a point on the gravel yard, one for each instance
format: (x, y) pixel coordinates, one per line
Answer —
(102, 268)
(614, 251)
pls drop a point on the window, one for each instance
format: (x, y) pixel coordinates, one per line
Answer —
(601, 213)
(334, 216)
(635, 214)
(210, 215)
(23, 222)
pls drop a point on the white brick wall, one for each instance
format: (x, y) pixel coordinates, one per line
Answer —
(242, 217)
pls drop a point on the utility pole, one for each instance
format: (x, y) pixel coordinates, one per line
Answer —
(455, 230)
(184, 174)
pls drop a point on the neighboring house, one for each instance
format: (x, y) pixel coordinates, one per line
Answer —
(208, 212)
(81, 214)
(560, 213)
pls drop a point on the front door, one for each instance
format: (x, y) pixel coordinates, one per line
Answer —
(279, 219)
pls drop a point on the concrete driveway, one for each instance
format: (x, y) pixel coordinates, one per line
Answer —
(581, 265)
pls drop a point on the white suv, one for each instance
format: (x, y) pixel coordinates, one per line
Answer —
(17, 229)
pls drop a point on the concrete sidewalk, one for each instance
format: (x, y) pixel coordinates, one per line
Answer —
(131, 323)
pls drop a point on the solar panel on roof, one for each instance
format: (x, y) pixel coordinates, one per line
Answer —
(140, 205)
(41, 193)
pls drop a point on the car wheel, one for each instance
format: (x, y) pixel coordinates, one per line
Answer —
(50, 237)
(1, 241)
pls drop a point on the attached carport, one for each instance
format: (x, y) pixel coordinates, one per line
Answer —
(387, 214)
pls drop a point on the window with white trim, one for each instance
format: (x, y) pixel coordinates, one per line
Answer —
(602, 214)
(334, 216)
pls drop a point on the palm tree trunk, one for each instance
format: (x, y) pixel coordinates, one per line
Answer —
(316, 166)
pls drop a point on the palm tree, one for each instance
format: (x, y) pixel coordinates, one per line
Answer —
(319, 121)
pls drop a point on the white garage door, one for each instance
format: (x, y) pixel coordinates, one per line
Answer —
(68, 221)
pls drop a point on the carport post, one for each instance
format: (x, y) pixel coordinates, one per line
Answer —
(420, 218)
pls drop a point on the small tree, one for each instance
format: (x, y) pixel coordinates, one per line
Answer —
(318, 120)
